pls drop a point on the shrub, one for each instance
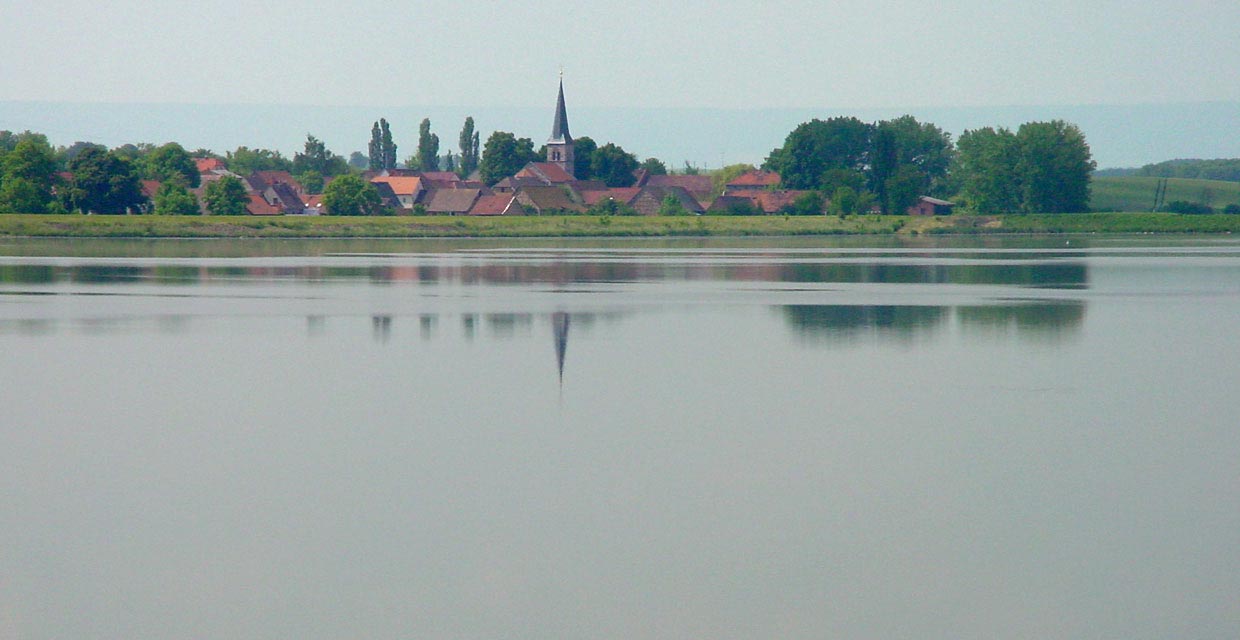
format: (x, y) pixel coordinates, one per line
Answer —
(1183, 206)
(1233, 209)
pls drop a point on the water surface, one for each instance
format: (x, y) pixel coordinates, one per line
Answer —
(796, 438)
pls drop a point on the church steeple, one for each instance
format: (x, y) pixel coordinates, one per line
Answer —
(560, 145)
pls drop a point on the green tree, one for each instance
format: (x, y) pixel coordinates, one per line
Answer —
(806, 204)
(19, 195)
(905, 142)
(375, 148)
(1055, 167)
(902, 189)
(387, 146)
(469, 148)
(245, 161)
(311, 181)
(583, 154)
(350, 195)
(613, 165)
(171, 163)
(987, 167)
(102, 182)
(503, 155)
(359, 160)
(27, 175)
(173, 199)
(654, 167)
(818, 145)
(672, 206)
(428, 147)
(318, 158)
(226, 197)
(845, 201)
(720, 179)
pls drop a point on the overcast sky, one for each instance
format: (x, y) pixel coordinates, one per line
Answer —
(621, 54)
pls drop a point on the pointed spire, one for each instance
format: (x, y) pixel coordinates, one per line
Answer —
(559, 129)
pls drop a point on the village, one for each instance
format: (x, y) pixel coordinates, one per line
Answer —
(547, 187)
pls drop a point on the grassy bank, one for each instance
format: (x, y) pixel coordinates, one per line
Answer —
(15, 225)
(432, 227)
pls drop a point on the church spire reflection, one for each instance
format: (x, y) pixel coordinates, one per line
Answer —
(559, 326)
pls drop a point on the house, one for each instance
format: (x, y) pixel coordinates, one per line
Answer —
(512, 183)
(927, 206)
(439, 179)
(314, 205)
(699, 187)
(649, 200)
(548, 173)
(260, 207)
(754, 181)
(733, 206)
(767, 201)
(388, 197)
(284, 197)
(548, 201)
(149, 189)
(260, 180)
(499, 204)
(408, 190)
(621, 195)
(452, 202)
(206, 165)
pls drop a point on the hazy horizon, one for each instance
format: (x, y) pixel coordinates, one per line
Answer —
(1119, 135)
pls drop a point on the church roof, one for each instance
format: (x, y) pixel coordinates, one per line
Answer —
(559, 129)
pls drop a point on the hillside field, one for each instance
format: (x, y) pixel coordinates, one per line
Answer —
(1136, 193)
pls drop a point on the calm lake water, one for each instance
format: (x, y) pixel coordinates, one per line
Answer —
(818, 438)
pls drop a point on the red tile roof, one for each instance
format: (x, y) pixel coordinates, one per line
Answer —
(150, 188)
(270, 177)
(755, 179)
(622, 195)
(768, 201)
(441, 176)
(259, 207)
(693, 184)
(548, 171)
(209, 164)
(401, 185)
(495, 205)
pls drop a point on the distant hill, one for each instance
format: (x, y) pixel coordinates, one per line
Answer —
(1136, 193)
(1217, 169)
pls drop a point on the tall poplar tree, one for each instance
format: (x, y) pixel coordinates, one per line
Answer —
(386, 145)
(469, 145)
(375, 149)
(428, 147)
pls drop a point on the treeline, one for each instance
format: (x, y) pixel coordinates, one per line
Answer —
(1217, 169)
(1041, 167)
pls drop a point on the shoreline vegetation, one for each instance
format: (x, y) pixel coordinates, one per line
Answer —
(145, 226)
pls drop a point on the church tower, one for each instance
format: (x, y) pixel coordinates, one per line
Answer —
(560, 145)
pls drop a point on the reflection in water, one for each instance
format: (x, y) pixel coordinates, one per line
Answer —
(469, 323)
(1046, 319)
(905, 321)
(559, 327)
(505, 325)
(315, 325)
(427, 323)
(748, 267)
(382, 328)
(846, 321)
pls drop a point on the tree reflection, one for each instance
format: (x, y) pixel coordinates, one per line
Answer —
(906, 321)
